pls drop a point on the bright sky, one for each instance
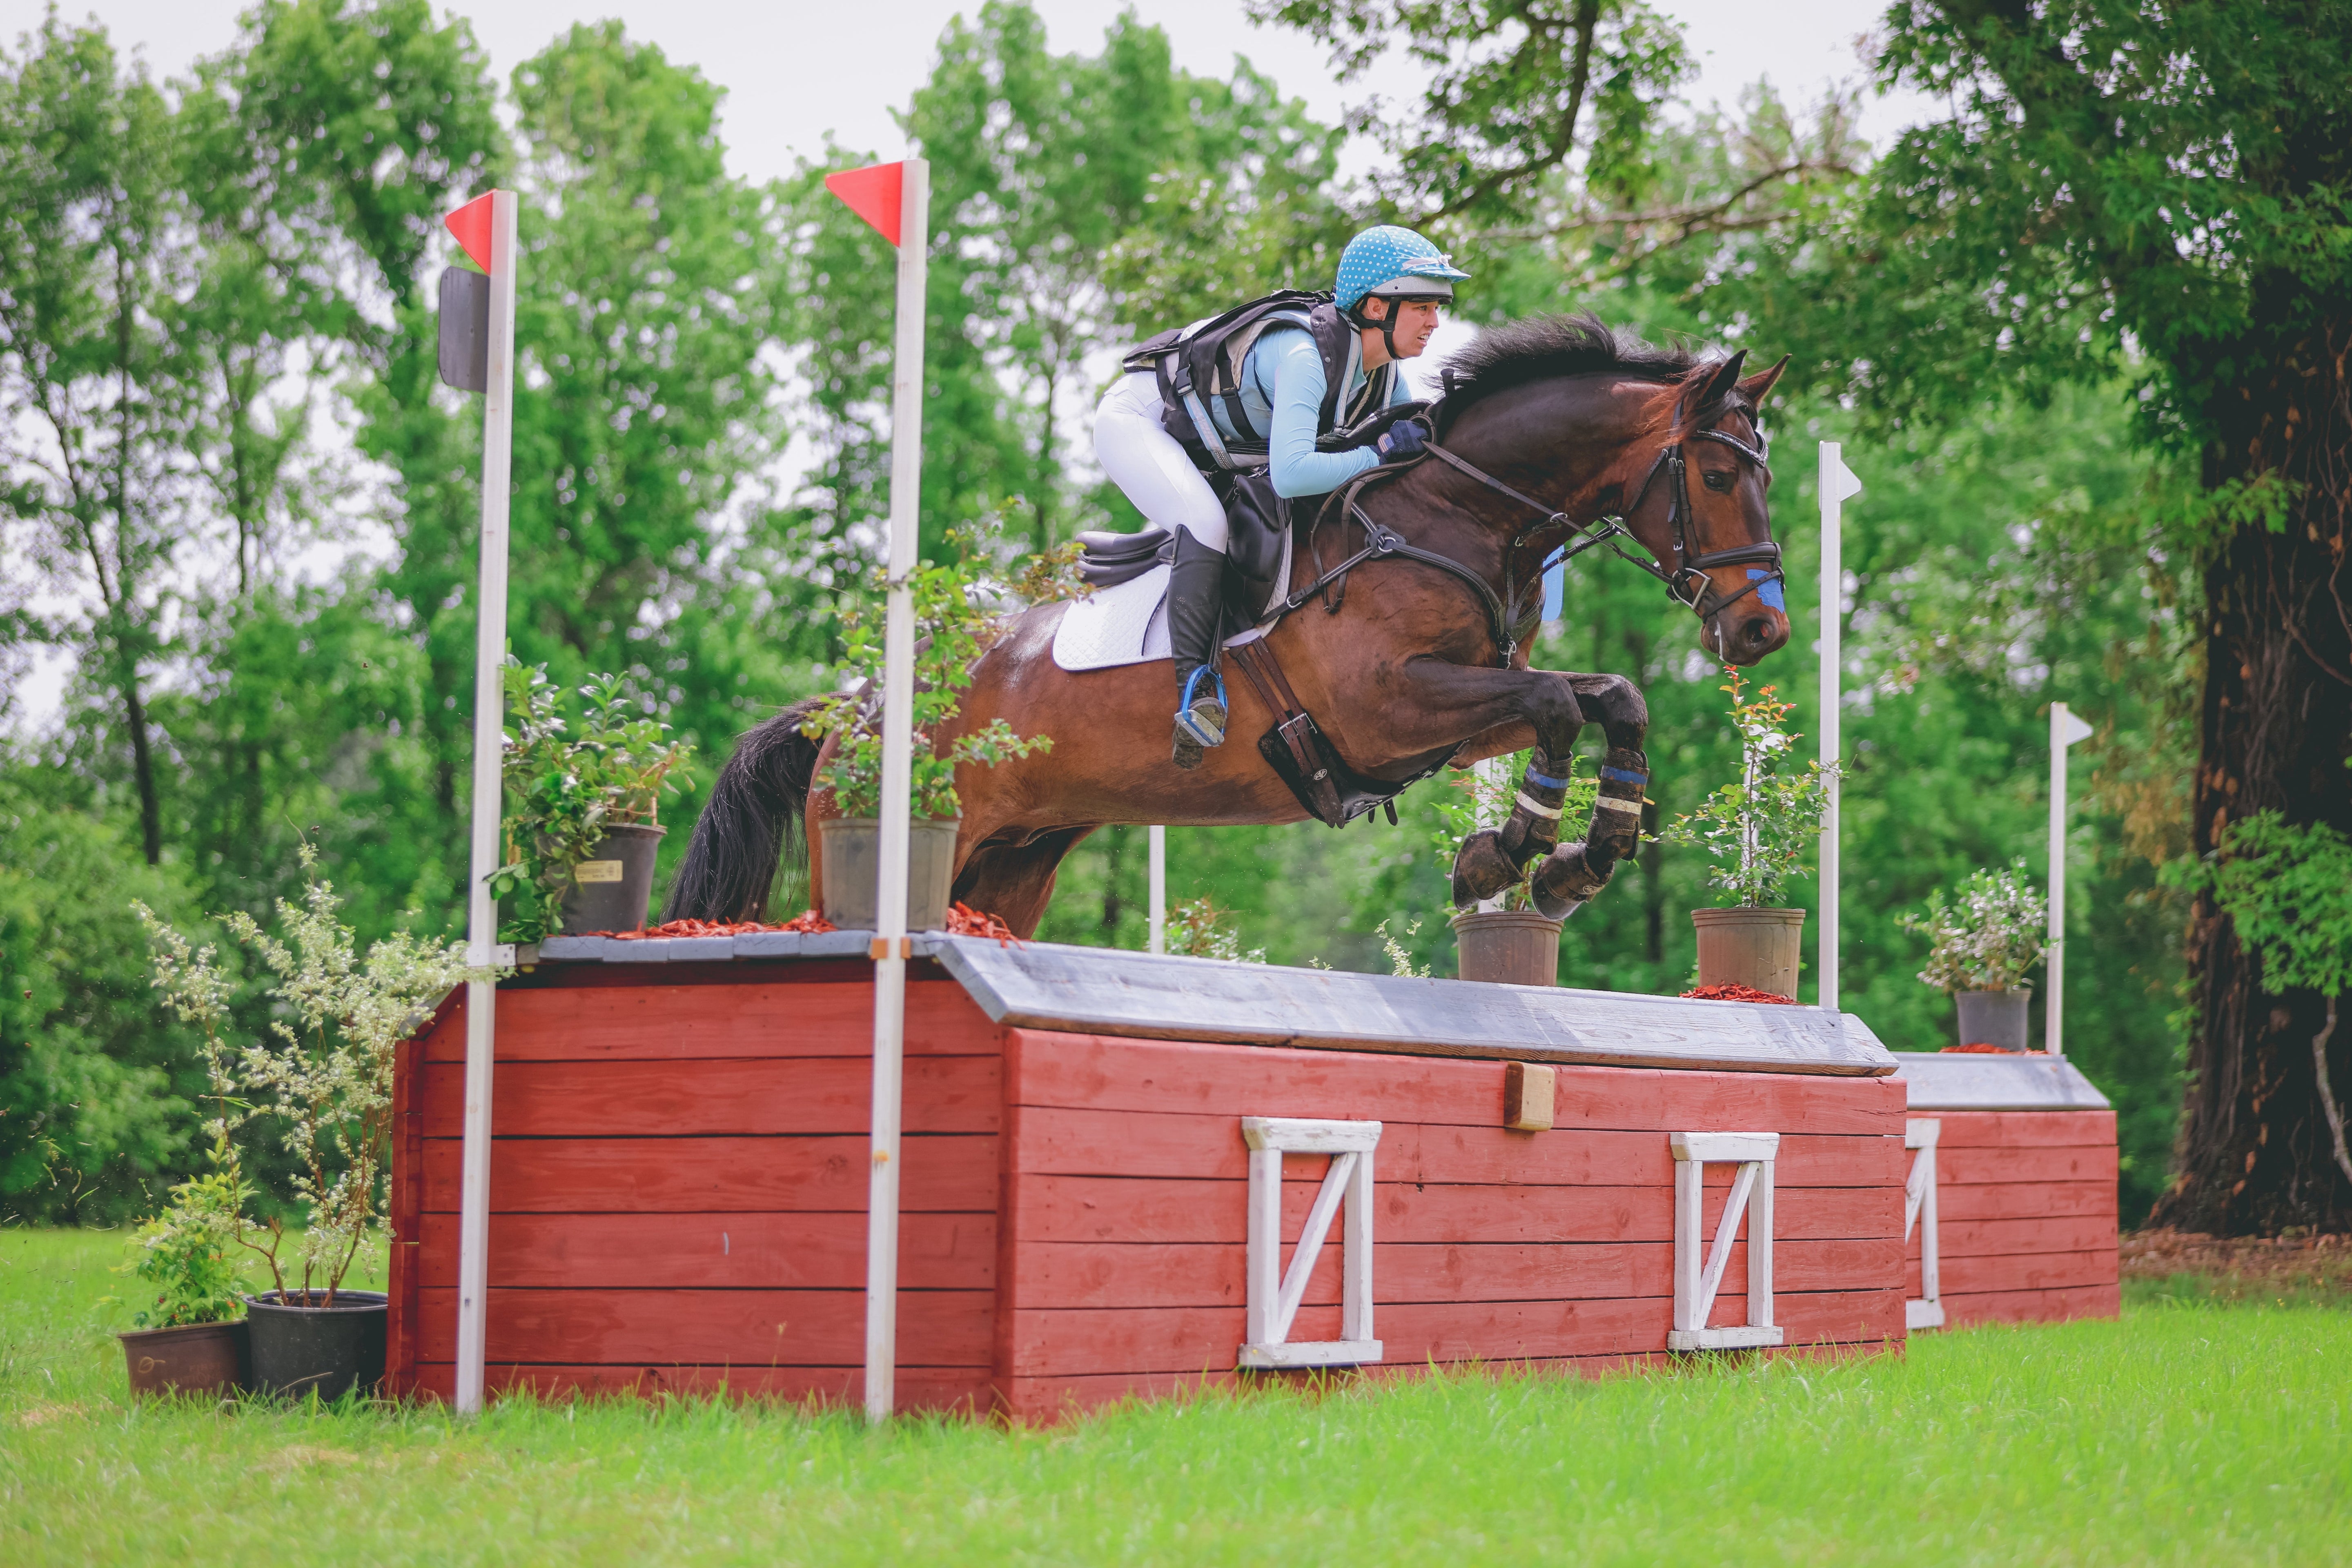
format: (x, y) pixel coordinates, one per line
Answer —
(797, 71)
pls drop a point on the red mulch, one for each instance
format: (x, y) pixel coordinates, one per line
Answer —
(965, 921)
(806, 924)
(1982, 1049)
(1737, 993)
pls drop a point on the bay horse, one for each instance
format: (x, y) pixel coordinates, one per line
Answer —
(1554, 432)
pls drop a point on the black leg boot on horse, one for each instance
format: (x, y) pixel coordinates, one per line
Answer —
(1196, 589)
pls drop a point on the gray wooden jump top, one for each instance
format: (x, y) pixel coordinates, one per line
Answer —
(1103, 991)
(1970, 1081)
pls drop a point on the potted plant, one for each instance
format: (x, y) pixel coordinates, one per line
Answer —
(1981, 943)
(1504, 940)
(583, 826)
(1756, 830)
(190, 1336)
(322, 1072)
(953, 627)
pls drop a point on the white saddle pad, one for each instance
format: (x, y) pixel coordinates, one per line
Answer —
(1125, 625)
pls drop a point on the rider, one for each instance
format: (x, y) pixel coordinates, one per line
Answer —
(1390, 285)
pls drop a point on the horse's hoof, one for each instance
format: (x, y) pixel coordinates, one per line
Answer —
(1481, 870)
(1565, 881)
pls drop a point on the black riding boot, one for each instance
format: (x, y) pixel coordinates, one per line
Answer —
(1195, 619)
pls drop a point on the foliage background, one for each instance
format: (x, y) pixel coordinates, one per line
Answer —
(701, 442)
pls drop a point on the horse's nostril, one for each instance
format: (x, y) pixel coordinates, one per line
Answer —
(1758, 631)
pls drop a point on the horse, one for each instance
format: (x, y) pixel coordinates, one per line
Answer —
(1554, 434)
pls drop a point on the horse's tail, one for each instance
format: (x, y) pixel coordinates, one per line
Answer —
(751, 824)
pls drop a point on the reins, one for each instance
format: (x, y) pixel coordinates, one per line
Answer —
(1687, 583)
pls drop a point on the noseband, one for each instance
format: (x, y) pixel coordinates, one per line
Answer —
(1687, 580)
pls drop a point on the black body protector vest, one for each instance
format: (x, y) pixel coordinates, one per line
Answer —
(1199, 367)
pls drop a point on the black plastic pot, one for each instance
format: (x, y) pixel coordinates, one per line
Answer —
(196, 1358)
(299, 1350)
(612, 887)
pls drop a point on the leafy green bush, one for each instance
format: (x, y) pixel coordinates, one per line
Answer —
(564, 793)
(187, 1254)
(1987, 937)
(1756, 830)
(954, 626)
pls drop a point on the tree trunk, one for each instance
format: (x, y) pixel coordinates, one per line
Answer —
(2254, 1153)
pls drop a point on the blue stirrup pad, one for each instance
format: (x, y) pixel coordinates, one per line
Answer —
(1770, 592)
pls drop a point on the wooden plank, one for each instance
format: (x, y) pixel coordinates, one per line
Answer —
(1098, 1142)
(404, 1206)
(1974, 1081)
(739, 1095)
(715, 1251)
(712, 1328)
(2024, 1200)
(2028, 1129)
(1992, 1237)
(656, 1021)
(1104, 1073)
(1061, 1343)
(963, 1390)
(1966, 1167)
(1119, 1210)
(712, 1175)
(1081, 990)
(1088, 1274)
(2032, 1306)
(2029, 1271)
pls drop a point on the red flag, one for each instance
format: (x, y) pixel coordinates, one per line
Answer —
(873, 194)
(471, 224)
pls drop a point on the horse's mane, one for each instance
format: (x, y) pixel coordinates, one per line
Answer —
(1539, 348)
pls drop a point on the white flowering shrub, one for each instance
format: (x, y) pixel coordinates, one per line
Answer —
(323, 1073)
(1986, 936)
(1756, 831)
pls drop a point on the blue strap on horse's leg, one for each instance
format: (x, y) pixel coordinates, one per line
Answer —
(1533, 825)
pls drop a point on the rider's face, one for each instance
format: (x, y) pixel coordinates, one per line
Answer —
(1416, 320)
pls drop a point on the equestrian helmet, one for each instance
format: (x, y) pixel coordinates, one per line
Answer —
(1393, 263)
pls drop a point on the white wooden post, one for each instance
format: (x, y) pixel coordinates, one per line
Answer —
(1920, 1134)
(482, 948)
(1699, 1277)
(1159, 839)
(2064, 730)
(1274, 1294)
(1837, 484)
(890, 945)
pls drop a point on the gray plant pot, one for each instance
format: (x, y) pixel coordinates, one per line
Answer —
(1994, 1017)
(1514, 947)
(611, 889)
(852, 870)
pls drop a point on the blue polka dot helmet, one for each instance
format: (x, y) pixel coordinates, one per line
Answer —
(1394, 263)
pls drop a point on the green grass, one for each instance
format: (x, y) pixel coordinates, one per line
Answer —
(2191, 1431)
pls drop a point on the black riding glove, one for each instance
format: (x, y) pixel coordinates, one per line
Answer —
(1403, 441)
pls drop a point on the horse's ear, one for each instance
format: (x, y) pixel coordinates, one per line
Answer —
(1757, 388)
(1718, 385)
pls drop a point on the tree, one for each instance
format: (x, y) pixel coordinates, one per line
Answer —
(91, 253)
(2162, 193)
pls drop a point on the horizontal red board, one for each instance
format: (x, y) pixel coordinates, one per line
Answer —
(710, 1328)
(1076, 1341)
(713, 1251)
(1081, 1274)
(700, 1175)
(1123, 1210)
(2031, 1306)
(1105, 1073)
(2024, 1129)
(1997, 1237)
(1968, 1167)
(747, 1095)
(2022, 1271)
(2026, 1200)
(657, 1022)
(964, 1389)
(1113, 1142)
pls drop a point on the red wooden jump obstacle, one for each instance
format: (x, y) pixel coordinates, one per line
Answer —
(1114, 1161)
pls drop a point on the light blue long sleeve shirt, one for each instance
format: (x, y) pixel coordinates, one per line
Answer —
(1282, 387)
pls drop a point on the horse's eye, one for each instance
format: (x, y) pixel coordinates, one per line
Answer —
(1720, 480)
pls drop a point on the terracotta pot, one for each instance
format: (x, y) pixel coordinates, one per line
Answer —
(196, 1358)
(1512, 947)
(1756, 948)
(304, 1346)
(1994, 1017)
(852, 870)
(612, 887)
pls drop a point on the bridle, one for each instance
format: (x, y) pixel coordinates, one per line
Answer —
(1687, 580)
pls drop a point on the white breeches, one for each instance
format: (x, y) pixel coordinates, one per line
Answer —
(1146, 462)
